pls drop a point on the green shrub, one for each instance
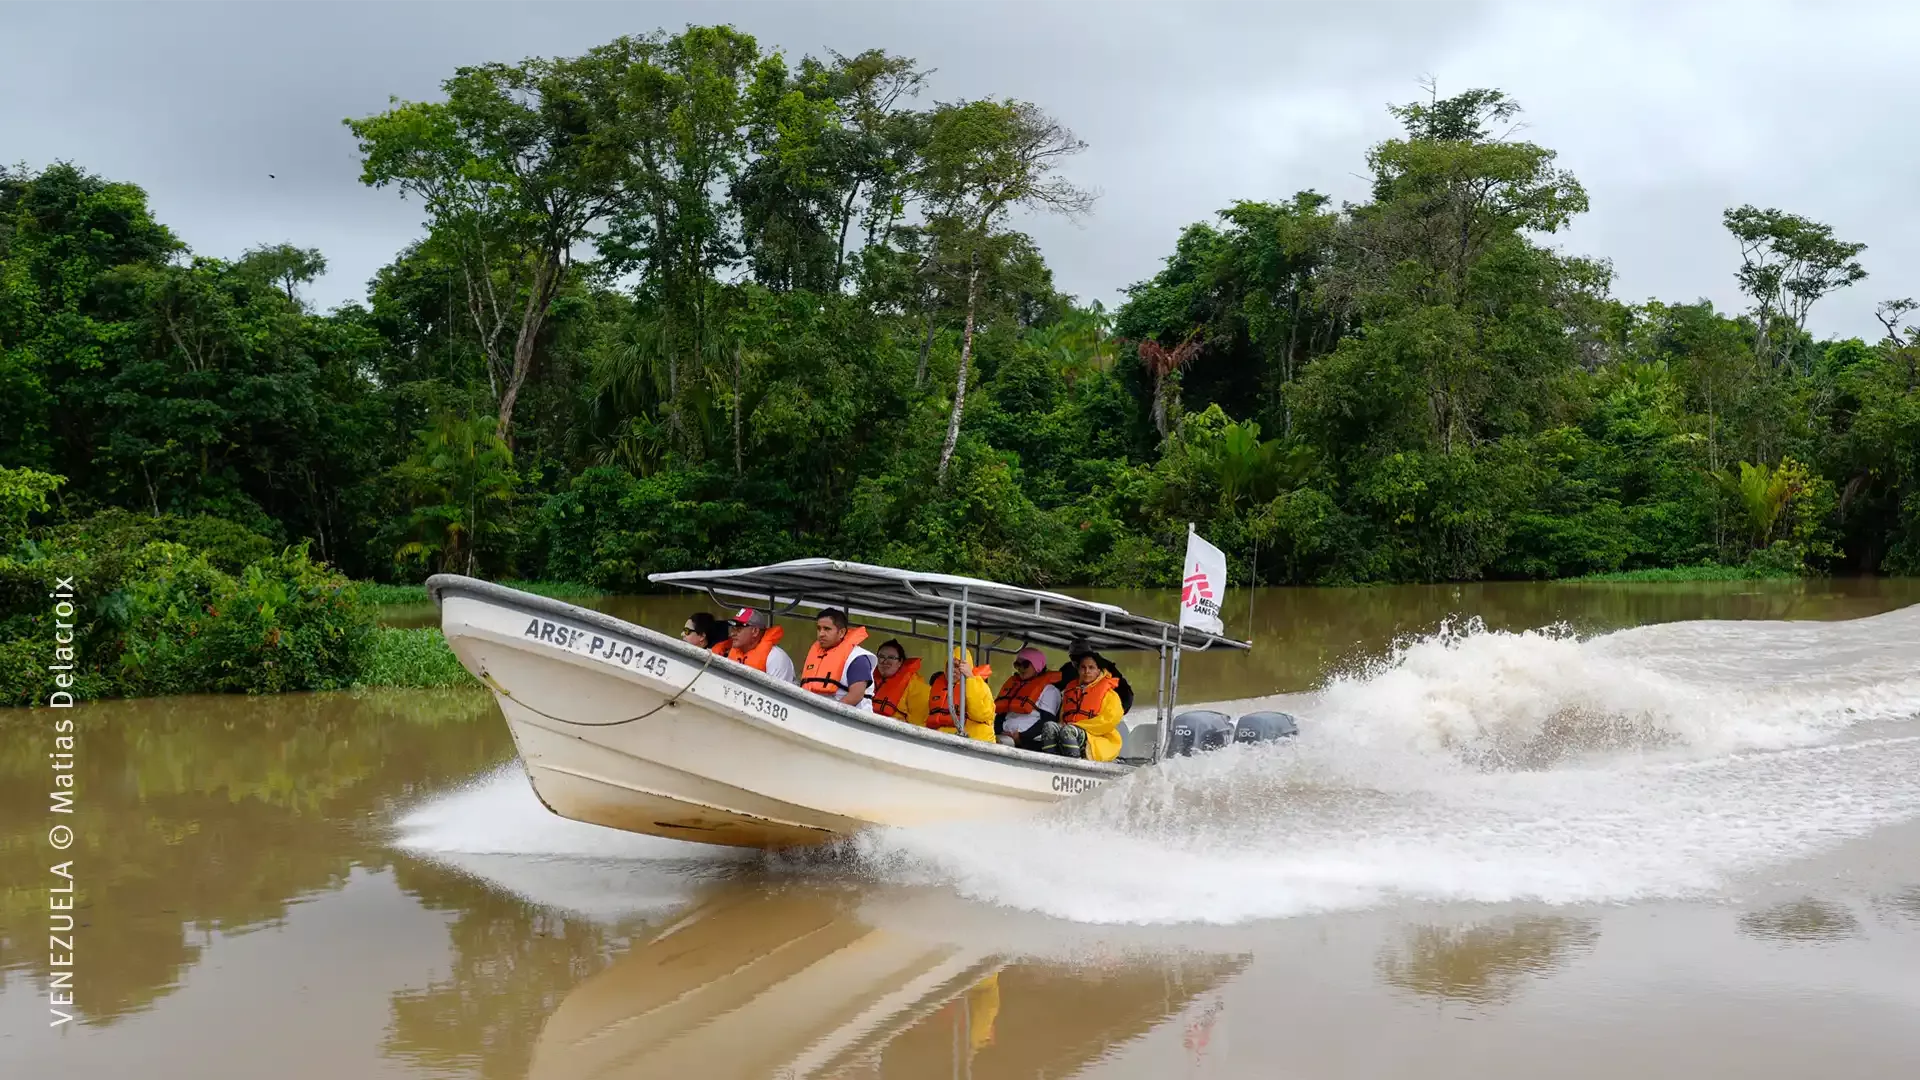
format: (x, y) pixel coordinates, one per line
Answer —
(163, 618)
(282, 624)
(228, 547)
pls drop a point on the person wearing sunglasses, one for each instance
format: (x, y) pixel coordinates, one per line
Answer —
(753, 640)
(1030, 695)
(899, 691)
(703, 630)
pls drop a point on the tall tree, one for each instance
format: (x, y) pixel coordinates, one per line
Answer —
(1466, 321)
(65, 235)
(283, 266)
(687, 104)
(515, 169)
(983, 160)
(832, 146)
(1787, 263)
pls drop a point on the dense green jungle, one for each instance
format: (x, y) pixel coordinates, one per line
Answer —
(687, 301)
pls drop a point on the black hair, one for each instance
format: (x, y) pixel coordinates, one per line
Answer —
(708, 627)
(1069, 671)
(894, 644)
(835, 616)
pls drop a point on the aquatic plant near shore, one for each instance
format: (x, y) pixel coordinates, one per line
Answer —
(415, 658)
(1757, 570)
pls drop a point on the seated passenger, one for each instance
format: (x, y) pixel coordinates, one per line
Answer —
(898, 691)
(706, 632)
(979, 698)
(1070, 672)
(1031, 694)
(1090, 712)
(836, 665)
(753, 640)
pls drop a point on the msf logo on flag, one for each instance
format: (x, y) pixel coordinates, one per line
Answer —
(1196, 588)
(1204, 588)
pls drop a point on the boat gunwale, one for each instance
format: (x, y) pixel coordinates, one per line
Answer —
(840, 713)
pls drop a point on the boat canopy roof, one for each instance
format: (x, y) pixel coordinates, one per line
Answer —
(926, 602)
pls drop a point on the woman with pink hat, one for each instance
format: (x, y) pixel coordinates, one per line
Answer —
(1031, 694)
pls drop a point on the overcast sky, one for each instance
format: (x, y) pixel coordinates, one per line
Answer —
(1667, 113)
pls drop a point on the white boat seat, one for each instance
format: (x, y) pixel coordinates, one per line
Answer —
(1137, 741)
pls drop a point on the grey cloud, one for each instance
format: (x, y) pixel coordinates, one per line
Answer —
(1667, 117)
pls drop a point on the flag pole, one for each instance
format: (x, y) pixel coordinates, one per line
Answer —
(1179, 646)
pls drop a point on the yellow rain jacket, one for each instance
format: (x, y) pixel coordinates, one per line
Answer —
(903, 697)
(979, 699)
(1096, 709)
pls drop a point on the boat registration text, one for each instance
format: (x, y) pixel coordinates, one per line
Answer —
(574, 639)
(752, 702)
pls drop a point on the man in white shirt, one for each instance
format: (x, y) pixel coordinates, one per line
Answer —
(753, 640)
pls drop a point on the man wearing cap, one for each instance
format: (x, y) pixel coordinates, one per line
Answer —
(1031, 694)
(753, 640)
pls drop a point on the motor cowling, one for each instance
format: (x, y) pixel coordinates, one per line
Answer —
(1199, 730)
(1257, 727)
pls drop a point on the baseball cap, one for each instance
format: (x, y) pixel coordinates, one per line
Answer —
(747, 616)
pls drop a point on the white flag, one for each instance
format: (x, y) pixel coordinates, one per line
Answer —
(1203, 585)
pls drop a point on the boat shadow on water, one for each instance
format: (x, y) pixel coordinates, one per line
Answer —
(805, 981)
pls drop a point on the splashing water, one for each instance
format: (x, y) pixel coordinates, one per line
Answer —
(1467, 765)
(1478, 766)
(493, 828)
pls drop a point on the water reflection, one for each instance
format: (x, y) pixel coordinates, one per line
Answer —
(1485, 963)
(1801, 920)
(808, 982)
(204, 815)
(1301, 634)
(512, 962)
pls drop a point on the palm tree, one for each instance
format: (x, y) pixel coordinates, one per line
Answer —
(1161, 363)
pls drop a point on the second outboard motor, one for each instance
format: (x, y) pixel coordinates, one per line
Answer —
(1198, 731)
(1258, 727)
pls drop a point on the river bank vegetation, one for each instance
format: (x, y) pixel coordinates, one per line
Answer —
(685, 301)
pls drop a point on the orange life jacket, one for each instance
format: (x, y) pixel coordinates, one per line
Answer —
(1082, 702)
(825, 666)
(1022, 696)
(888, 696)
(939, 712)
(756, 657)
(721, 647)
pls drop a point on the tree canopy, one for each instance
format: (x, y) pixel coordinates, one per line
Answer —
(683, 301)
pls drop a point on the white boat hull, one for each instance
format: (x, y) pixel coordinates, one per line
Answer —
(621, 726)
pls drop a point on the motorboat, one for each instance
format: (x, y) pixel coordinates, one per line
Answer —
(623, 726)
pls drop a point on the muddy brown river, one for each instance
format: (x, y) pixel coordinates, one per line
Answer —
(1674, 834)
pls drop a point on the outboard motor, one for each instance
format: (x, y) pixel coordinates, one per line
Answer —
(1257, 727)
(1198, 731)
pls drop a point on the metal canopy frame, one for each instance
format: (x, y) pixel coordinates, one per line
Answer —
(946, 605)
(1006, 612)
